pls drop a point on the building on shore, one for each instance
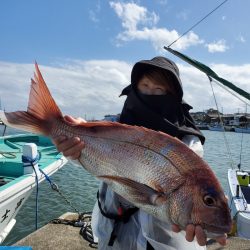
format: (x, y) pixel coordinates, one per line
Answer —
(212, 119)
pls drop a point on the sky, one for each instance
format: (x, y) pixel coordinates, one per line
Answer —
(86, 50)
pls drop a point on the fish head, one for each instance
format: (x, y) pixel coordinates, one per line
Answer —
(210, 206)
(200, 200)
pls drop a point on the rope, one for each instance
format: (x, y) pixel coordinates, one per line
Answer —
(4, 130)
(198, 23)
(247, 104)
(33, 162)
(221, 123)
(54, 187)
(83, 221)
(87, 234)
(8, 155)
(231, 92)
(37, 193)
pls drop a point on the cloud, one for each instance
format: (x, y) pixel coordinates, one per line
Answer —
(93, 14)
(183, 15)
(132, 15)
(162, 2)
(140, 24)
(219, 46)
(241, 39)
(91, 88)
(198, 92)
(80, 88)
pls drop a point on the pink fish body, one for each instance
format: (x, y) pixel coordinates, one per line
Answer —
(152, 170)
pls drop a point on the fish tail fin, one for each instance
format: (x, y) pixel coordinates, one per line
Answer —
(42, 110)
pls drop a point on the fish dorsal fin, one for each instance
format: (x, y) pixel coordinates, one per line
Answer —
(41, 103)
(102, 124)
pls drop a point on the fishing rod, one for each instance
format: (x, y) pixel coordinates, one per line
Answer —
(210, 73)
(196, 24)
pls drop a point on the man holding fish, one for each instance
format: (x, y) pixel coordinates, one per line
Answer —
(154, 101)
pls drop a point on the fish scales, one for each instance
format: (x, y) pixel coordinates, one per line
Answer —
(119, 151)
(120, 145)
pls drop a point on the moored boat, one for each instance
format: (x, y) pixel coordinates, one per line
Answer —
(239, 201)
(221, 128)
(16, 184)
(202, 126)
(242, 130)
(216, 128)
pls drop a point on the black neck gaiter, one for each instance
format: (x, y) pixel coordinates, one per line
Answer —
(164, 105)
(159, 112)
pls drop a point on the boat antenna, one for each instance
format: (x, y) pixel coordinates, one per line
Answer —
(198, 23)
(241, 144)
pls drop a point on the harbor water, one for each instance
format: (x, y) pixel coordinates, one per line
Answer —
(80, 187)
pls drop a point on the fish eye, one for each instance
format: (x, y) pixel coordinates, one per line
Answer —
(209, 200)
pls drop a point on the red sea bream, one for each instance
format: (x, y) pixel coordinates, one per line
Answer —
(152, 170)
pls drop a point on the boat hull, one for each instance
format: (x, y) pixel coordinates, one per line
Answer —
(16, 186)
(216, 128)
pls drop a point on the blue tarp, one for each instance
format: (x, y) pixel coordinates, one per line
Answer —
(15, 248)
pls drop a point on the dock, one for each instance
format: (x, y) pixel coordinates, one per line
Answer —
(65, 237)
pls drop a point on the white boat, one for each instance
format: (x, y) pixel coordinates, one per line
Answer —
(221, 128)
(216, 128)
(239, 201)
(242, 130)
(17, 179)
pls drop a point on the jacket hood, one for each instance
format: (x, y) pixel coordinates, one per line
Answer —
(159, 62)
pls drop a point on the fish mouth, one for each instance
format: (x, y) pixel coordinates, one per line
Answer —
(217, 229)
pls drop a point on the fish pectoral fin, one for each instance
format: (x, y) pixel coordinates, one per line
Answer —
(139, 192)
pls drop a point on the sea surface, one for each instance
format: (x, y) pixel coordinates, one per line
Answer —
(80, 187)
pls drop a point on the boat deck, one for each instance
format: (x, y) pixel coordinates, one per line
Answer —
(246, 192)
(11, 166)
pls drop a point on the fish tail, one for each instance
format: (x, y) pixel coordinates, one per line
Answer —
(42, 110)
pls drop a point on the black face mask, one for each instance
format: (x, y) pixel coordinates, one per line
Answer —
(164, 105)
(158, 112)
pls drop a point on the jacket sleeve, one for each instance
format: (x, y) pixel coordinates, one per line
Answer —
(194, 143)
(161, 237)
